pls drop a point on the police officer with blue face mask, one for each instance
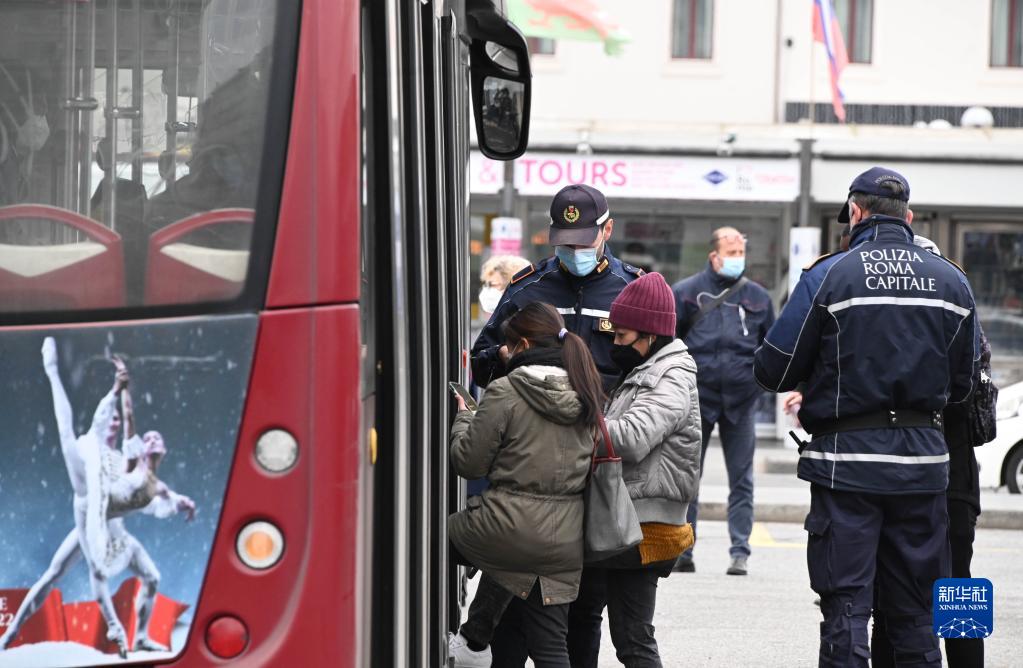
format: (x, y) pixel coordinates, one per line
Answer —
(723, 318)
(580, 280)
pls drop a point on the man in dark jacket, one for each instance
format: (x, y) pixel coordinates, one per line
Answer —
(723, 318)
(580, 280)
(884, 336)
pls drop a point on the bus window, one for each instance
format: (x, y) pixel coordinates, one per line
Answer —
(131, 179)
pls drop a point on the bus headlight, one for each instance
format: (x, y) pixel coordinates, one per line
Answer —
(260, 545)
(276, 451)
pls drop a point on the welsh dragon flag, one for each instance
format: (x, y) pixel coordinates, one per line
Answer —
(580, 20)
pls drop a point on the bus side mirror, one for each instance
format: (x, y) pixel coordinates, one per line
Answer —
(500, 81)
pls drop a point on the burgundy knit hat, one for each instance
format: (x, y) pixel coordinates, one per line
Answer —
(646, 305)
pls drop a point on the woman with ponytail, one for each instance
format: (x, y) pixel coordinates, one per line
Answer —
(533, 438)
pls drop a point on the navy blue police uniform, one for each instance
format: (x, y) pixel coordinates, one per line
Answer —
(583, 301)
(884, 336)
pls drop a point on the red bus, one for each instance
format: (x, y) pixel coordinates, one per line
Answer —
(233, 288)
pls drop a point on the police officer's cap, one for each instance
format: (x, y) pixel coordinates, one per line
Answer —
(876, 181)
(577, 214)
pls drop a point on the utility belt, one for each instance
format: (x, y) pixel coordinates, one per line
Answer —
(893, 419)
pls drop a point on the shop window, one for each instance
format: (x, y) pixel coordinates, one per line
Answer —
(540, 46)
(1007, 33)
(691, 26)
(992, 255)
(856, 17)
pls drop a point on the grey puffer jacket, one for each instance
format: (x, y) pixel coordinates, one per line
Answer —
(654, 421)
(528, 440)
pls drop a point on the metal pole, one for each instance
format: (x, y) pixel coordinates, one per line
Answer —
(85, 118)
(172, 96)
(805, 171)
(71, 16)
(111, 119)
(136, 99)
(508, 189)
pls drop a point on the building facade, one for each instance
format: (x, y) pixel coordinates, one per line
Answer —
(719, 112)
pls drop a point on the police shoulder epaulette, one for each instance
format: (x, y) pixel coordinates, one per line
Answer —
(953, 263)
(819, 260)
(632, 270)
(526, 271)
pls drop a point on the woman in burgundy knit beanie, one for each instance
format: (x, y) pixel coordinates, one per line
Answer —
(646, 305)
(653, 417)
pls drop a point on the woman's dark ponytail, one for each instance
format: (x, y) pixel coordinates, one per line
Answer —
(582, 374)
(543, 327)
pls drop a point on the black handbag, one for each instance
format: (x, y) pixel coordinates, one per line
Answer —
(980, 411)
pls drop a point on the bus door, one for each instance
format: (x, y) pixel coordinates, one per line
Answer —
(417, 87)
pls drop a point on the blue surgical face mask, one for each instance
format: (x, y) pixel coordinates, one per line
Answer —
(579, 262)
(732, 267)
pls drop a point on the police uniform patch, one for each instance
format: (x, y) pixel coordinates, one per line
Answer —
(632, 270)
(602, 266)
(522, 274)
(953, 263)
(605, 325)
(819, 260)
(571, 214)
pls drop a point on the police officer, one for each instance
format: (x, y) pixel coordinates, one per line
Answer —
(884, 335)
(581, 281)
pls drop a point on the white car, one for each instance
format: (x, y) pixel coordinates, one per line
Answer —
(1001, 460)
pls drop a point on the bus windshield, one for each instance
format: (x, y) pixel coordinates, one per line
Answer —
(131, 137)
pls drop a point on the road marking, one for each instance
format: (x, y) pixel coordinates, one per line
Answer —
(761, 537)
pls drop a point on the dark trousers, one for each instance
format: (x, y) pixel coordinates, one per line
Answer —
(738, 441)
(485, 611)
(630, 595)
(896, 543)
(959, 653)
(530, 628)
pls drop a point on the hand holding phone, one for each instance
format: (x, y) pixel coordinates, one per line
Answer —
(462, 394)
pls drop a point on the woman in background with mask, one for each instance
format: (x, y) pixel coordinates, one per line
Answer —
(653, 417)
(495, 276)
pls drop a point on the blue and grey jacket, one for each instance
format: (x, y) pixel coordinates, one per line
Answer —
(883, 326)
(584, 303)
(723, 342)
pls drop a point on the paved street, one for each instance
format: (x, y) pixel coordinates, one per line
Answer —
(768, 618)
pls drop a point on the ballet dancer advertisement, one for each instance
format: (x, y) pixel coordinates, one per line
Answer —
(116, 447)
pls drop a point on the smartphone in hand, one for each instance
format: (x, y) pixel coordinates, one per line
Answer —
(459, 390)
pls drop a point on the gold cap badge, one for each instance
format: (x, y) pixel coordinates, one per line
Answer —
(571, 214)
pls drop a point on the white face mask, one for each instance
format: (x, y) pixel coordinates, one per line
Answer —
(490, 297)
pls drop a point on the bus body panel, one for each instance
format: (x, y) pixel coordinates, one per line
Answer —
(316, 257)
(301, 611)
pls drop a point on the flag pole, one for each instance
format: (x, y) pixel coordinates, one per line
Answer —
(812, 100)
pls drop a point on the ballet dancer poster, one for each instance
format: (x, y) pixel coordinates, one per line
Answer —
(115, 448)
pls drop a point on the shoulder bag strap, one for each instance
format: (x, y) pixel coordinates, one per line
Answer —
(610, 454)
(710, 306)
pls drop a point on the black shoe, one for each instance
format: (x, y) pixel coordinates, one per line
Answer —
(684, 565)
(738, 566)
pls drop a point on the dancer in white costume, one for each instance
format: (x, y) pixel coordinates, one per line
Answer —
(106, 486)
